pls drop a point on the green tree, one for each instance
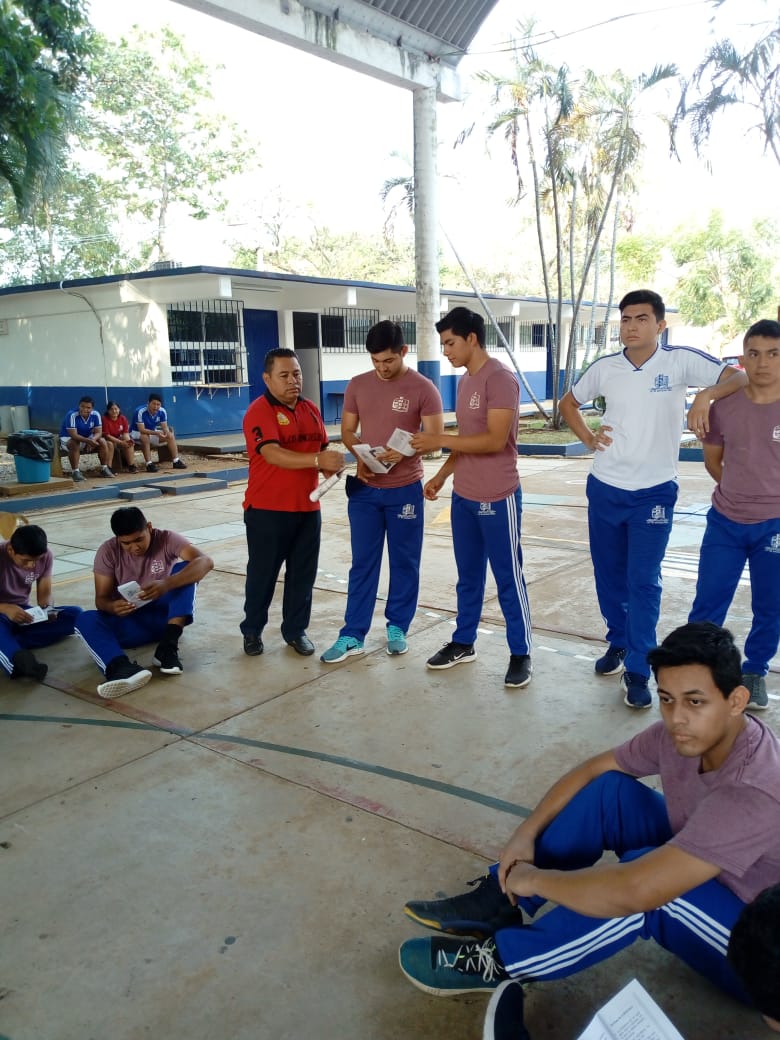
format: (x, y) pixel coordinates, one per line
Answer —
(44, 46)
(729, 75)
(726, 275)
(150, 115)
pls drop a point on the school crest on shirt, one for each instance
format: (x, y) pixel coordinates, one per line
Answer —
(408, 511)
(660, 383)
(658, 515)
(776, 433)
(401, 404)
(282, 419)
(157, 567)
(474, 400)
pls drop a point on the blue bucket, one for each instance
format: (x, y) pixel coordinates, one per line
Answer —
(32, 471)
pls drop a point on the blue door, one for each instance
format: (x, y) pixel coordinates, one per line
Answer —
(261, 334)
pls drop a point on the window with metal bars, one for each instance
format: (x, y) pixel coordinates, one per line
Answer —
(408, 323)
(206, 342)
(344, 329)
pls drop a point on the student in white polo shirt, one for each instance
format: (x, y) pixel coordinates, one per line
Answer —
(632, 487)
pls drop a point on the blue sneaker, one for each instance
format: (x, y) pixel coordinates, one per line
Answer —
(396, 641)
(446, 967)
(344, 647)
(637, 692)
(612, 661)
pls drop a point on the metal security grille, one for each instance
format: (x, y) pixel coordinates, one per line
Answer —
(408, 323)
(206, 341)
(345, 328)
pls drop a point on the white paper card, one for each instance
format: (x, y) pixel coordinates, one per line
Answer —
(131, 592)
(632, 1014)
(369, 457)
(37, 614)
(400, 441)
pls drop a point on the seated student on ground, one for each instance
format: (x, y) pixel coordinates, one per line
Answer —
(689, 860)
(26, 560)
(82, 431)
(150, 429)
(166, 569)
(116, 431)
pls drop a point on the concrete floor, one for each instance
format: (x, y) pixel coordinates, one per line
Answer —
(224, 855)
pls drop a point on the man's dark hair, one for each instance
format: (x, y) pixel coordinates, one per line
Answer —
(155, 397)
(754, 951)
(272, 355)
(461, 321)
(766, 327)
(29, 540)
(86, 399)
(385, 335)
(109, 406)
(644, 296)
(701, 642)
(127, 520)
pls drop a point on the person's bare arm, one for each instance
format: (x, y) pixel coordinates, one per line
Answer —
(521, 846)
(594, 440)
(43, 591)
(198, 566)
(327, 461)
(713, 461)
(105, 588)
(436, 483)
(616, 889)
(729, 381)
(499, 425)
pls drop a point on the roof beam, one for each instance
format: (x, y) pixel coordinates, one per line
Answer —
(403, 63)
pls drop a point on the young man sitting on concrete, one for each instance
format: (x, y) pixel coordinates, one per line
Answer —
(149, 429)
(82, 432)
(159, 606)
(689, 860)
(26, 560)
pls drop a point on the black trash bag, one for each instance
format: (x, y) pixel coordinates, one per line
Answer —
(32, 444)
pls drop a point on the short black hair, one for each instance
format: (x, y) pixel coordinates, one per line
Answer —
(754, 951)
(86, 399)
(637, 296)
(29, 540)
(765, 327)
(461, 321)
(128, 520)
(155, 397)
(701, 642)
(385, 335)
(272, 355)
(109, 406)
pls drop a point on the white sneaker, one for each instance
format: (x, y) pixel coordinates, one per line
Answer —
(120, 684)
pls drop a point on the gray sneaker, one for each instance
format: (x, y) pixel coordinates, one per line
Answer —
(77, 475)
(759, 700)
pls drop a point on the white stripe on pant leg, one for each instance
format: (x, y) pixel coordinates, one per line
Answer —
(101, 665)
(699, 924)
(606, 934)
(7, 663)
(522, 592)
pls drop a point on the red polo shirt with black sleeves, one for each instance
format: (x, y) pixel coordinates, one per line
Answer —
(268, 421)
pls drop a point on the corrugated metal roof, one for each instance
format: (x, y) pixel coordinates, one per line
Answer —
(455, 22)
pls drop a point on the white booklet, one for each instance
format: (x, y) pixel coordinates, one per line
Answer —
(131, 592)
(632, 1014)
(398, 441)
(39, 614)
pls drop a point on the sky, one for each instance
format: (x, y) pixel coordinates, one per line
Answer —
(330, 137)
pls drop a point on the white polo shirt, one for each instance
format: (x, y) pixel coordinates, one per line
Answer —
(645, 408)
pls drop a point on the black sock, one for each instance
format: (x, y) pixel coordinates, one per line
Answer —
(171, 635)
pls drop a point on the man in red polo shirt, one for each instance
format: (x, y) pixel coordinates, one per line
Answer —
(288, 448)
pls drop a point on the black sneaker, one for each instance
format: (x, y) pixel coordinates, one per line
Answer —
(519, 672)
(612, 661)
(445, 967)
(166, 657)
(123, 676)
(27, 666)
(178, 464)
(479, 913)
(152, 467)
(504, 1015)
(452, 654)
(253, 646)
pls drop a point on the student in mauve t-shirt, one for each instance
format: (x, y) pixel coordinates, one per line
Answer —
(486, 501)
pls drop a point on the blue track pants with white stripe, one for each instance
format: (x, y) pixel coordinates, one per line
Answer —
(15, 637)
(483, 531)
(618, 813)
(725, 549)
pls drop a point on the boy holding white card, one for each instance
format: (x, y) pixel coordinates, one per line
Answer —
(379, 406)
(26, 560)
(159, 572)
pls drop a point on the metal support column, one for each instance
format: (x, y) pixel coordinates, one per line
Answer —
(425, 230)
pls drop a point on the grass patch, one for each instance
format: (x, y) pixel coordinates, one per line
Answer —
(537, 431)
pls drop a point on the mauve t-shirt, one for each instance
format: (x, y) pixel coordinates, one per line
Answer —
(730, 816)
(487, 478)
(115, 562)
(15, 582)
